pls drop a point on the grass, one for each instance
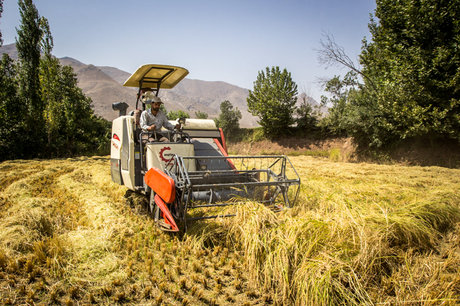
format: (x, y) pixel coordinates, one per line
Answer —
(359, 234)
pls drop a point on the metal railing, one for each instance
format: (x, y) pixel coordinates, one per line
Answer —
(216, 181)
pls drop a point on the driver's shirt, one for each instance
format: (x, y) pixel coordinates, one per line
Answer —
(147, 119)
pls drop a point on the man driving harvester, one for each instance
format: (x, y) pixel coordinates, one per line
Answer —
(152, 120)
(193, 170)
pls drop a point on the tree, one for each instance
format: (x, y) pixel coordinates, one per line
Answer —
(201, 115)
(51, 91)
(12, 126)
(273, 100)
(40, 100)
(332, 54)
(306, 115)
(28, 46)
(11, 110)
(80, 121)
(228, 118)
(337, 121)
(1, 11)
(410, 75)
(173, 115)
(414, 61)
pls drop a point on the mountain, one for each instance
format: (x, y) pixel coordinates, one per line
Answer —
(10, 50)
(118, 75)
(194, 95)
(105, 86)
(102, 88)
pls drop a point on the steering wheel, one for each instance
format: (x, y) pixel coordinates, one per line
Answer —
(179, 136)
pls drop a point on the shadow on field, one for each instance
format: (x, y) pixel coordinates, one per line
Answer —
(87, 158)
(209, 233)
(138, 202)
(417, 152)
(428, 152)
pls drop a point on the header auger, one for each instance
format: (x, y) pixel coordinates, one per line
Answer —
(191, 177)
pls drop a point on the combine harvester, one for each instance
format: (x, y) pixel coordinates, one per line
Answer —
(193, 170)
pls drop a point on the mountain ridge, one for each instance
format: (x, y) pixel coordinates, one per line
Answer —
(104, 85)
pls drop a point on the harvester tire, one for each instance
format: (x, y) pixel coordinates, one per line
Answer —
(154, 210)
(152, 204)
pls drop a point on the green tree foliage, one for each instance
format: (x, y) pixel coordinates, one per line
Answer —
(414, 60)
(1, 11)
(201, 115)
(73, 127)
(337, 121)
(228, 118)
(273, 100)
(173, 115)
(306, 115)
(12, 126)
(57, 120)
(11, 123)
(50, 90)
(11, 108)
(28, 46)
(410, 72)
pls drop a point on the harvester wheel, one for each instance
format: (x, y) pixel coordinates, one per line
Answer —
(152, 204)
(154, 210)
(156, 214)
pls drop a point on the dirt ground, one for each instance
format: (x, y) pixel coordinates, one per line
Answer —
(291, 146)
(420, 152)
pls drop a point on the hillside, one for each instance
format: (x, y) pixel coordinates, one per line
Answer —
(359, 234)
(191, 95)
(104, 85)
(10, 50)
(102, 89)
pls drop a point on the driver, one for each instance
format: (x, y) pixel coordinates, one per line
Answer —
(153, 119)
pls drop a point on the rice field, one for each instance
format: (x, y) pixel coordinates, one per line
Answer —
(359, 234)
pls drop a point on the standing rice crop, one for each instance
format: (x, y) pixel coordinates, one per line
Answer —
(348, 238)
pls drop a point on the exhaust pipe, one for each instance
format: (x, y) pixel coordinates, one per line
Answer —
(121, 107)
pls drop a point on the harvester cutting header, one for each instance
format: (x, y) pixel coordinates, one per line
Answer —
(186, 172)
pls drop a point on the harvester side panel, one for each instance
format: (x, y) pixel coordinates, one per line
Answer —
(160, 154)
(122, 151)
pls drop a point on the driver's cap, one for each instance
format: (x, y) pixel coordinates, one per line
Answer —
(149, 97)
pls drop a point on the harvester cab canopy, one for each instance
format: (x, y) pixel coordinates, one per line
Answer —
(152, 77)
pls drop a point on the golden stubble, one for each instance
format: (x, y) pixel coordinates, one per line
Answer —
(360, 233)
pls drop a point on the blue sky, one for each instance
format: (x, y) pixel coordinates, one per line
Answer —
(216, 40)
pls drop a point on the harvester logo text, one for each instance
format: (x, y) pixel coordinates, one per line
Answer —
(163, 154)
(115, 137)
